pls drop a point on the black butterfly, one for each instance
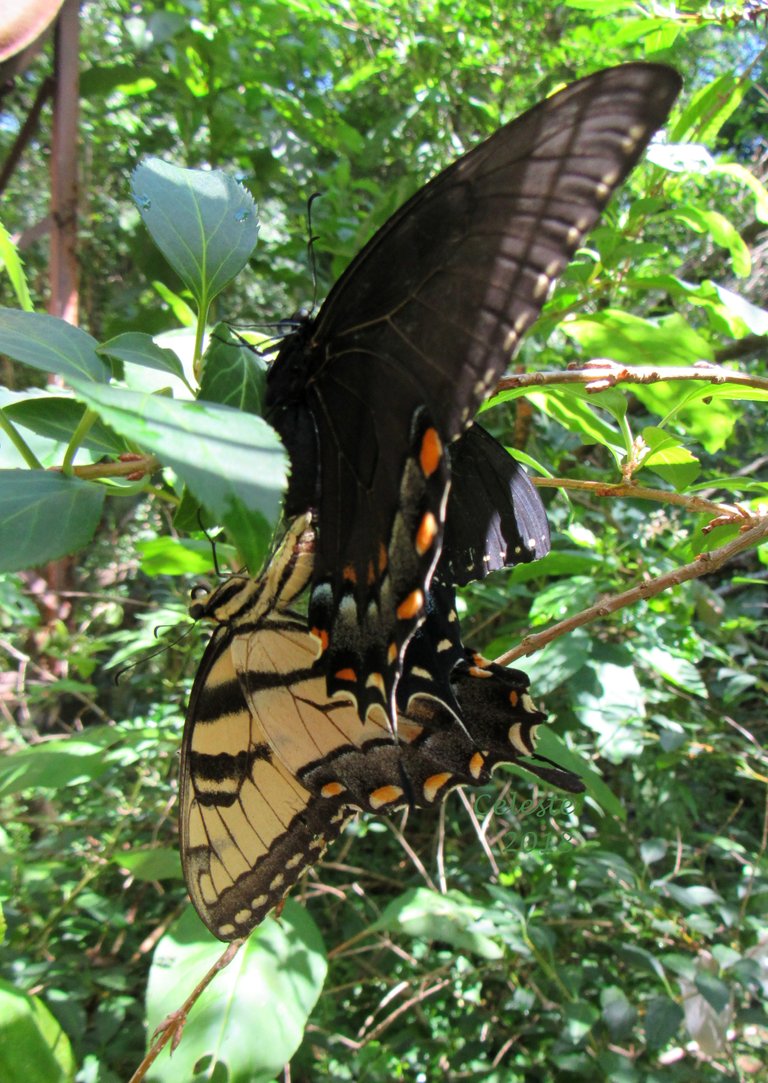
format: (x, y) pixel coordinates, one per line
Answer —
(370, 396)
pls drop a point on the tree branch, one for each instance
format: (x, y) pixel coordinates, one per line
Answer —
(702, 565)
(601, 373)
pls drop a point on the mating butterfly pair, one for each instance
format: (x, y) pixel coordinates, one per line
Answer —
(374, 401)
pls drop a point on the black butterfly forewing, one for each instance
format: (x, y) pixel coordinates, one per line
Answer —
(414, 336)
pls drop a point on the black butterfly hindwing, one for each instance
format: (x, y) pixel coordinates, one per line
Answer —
(415, 335)
(495, 517)
(271, 769)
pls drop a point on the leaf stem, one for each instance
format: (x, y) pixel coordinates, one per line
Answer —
(84, 425)
(19, 442)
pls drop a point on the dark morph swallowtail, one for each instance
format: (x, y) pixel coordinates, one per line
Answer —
(370, 396)
(271, 768)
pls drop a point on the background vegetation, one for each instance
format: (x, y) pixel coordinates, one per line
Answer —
(620, 937)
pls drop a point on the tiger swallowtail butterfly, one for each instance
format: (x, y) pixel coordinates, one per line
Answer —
(271, 769)
(369, 397)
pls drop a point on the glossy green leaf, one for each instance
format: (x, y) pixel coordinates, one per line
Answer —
(57, 418)
(33, 1047)
(52, 765)
(633, 340)
(613, 707)
(578, 416)
(156, 863)
(51, 345)
(249, 1022)
(11, 260)
(204, 223)
(708, 108)
(232, 462)
(141, 349)
(452, 918)
(663, 1017)
(715, 992)
(172, 556)
(722, 232)
(32, 500)
(233, 373)
(669, 458)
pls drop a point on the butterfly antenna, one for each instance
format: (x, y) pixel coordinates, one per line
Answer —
(153, 653)
(311, 238)
(212, 543)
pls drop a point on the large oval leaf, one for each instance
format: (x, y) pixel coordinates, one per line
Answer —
(250, 1021)
(204, 223)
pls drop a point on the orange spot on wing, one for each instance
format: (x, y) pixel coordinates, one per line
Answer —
(435, 783)
(349, 574)
(383, 558)
(332, 789)
(385, 795)
(476, 671)
(430, 453)
(476, 764)
(426, 533)
(347, 674)
(392, 653)
(514, 699)
(411, 606)
(322, 635)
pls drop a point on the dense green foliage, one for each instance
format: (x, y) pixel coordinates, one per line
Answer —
(516, 934)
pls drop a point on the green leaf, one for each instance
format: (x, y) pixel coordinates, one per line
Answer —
(708, 109)
(204, 223)
(51, 345)
(33, 1047)
(579, 1018)
(553, 666)
(149, 865)
(554, 748)
(618, 1014)
(57, 419)
(140, 349)
(703, 410)
(63, 761)
(578, 416)
(613, 708)
(693, 898)
(716, 993)
(11, 260)
(452, 918)
(741, 174)
(44, 516)
(233, 463)
(673, 668)
(632, 340)
(722, 232)
(172, 556)
(663, 1017)
(669, 458)
(249, 1022)
(233, 373)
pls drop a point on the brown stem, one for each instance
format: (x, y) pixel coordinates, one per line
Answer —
(601, 373)
(702, 565)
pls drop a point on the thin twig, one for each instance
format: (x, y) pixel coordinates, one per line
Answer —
(602, 373)
(703, 565)
(642, 492)
(173, 1025)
